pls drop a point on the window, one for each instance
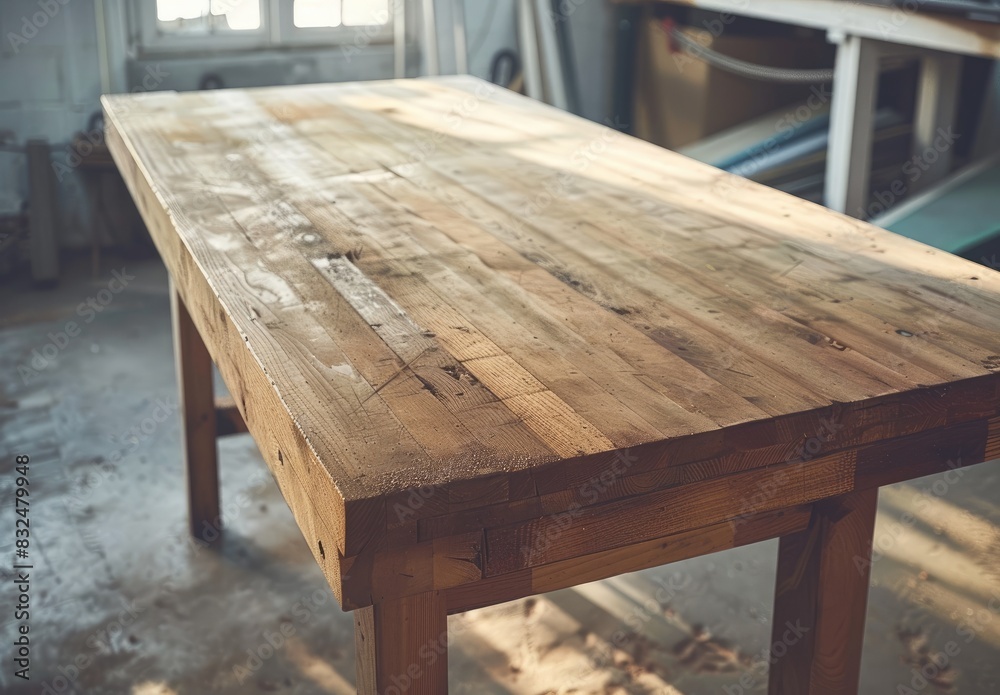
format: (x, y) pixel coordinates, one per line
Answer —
(310, 14)
(251, 24)
(207, 16)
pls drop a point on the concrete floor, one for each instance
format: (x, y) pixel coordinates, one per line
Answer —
(119, 589)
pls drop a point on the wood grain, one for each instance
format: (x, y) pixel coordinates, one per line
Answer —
(592, 567)
(449, 314)
(401, 646)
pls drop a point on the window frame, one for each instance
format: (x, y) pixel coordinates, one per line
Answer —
(277, 31)
(151, 37)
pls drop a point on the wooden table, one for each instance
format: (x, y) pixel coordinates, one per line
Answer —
(489, 349)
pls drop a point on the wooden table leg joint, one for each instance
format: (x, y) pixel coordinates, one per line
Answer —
(402, 646)
(821, 596)
(228, 419)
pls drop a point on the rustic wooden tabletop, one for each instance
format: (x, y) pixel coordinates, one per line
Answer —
(485, 345)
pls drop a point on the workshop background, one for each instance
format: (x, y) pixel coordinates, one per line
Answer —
(125, 603)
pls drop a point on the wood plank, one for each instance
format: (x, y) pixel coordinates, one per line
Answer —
(882, 459)
(412, 390)
(992, 439)
(821, 599)
(281, 441)
(546, 239)
(378, 242)
(601, 565)
(926, 453)
(495, 257)
(596, 195)
(577, 531)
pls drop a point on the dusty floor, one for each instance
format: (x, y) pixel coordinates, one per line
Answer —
(122, 603)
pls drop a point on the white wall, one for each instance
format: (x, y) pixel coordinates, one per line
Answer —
(51, 81)
(49, 85)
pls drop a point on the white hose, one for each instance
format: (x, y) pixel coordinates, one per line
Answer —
(751, 70)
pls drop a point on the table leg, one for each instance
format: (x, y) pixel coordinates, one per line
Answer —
(821, 597)
(402, 646)
(197, 405)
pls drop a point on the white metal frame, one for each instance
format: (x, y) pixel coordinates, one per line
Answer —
(852, 123)
(905, 25)
(432, 61)
(430, 49)
(458, 37)
(852, 116)
(553, 72)
(864, 34)
(399, 38)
